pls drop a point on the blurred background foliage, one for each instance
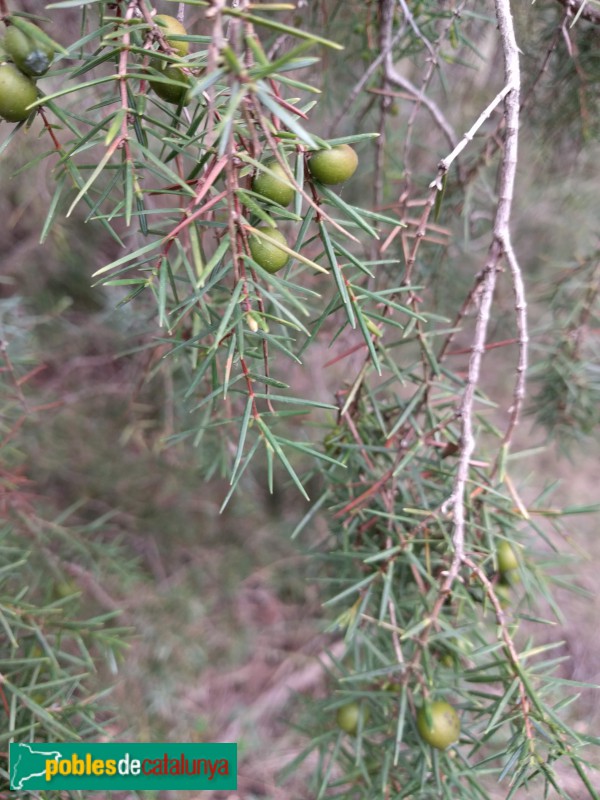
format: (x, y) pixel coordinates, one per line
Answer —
(127, 574)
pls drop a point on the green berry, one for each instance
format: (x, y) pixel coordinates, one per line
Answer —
(507, 559)
(30, 56)
(444, 727)
(266, 253)
(333, 166)
(170, 27)
(17, 91)
(175, 93)
(277, 189)
(349, 716)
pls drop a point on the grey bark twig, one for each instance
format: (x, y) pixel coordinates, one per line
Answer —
(432, 65)
(501, 244)
(394, 77)
(446, 163)
(521, 313)
(411, 21)
(388, 43)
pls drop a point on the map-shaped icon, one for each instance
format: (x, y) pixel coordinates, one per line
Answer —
(29, 763)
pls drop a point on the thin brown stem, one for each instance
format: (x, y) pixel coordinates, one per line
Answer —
(509, 645)
(582, 9)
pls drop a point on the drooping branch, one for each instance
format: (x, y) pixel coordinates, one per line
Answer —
(501, 244)
(521, 314)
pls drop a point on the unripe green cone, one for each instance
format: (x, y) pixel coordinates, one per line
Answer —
(170, 27)
(349, 716)
(278, 189)
(444, 729)
(17, 92)
(30, 56)
(507, 558)
(170, 92)
(333, 166)
(266, 253)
